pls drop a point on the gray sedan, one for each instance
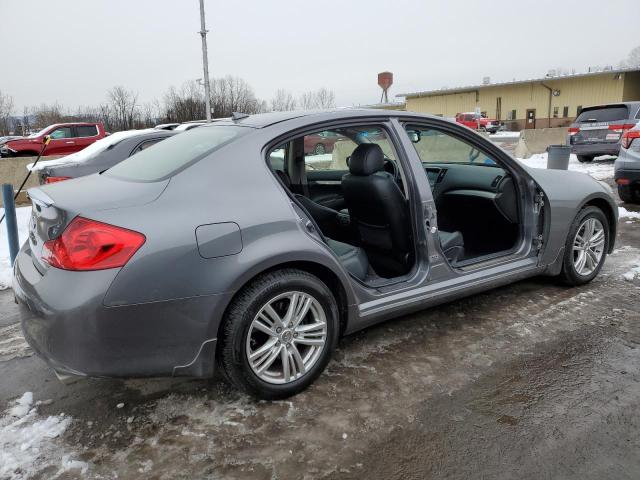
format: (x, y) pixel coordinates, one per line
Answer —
(228, 245)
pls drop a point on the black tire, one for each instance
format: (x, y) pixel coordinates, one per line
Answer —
(231, 353)
(585, 158)
(319, 149)
(629, 193)
(569, 274)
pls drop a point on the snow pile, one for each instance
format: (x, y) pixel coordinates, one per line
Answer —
(27, 441)
(23, 214)
(505, 135)
(633, 273)
(624, 213)
(599, 170)
(12, 343)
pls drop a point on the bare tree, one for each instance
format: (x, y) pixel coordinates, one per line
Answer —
(633, 60)
(307, 101)
(321, 98)
(283, 101)
(325, 98)
(48, 114)
(184, 104)
(124, 108)
(233, 94)
(6, 108)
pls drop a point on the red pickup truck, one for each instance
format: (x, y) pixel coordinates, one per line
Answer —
(472, 120)
(66, 138)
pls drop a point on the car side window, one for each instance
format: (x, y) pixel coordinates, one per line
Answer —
(330, 149)
(62, 132)
(86, 131)
(434, 146)
(146, 144)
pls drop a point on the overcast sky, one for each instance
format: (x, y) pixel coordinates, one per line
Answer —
(73, 51)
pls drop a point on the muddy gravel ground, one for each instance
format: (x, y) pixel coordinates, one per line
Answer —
(534, 380)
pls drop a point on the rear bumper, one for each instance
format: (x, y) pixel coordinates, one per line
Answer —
(66, 323)
(632, 175)
(595, 149)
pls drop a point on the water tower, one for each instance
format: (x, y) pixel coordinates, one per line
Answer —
(385, 80)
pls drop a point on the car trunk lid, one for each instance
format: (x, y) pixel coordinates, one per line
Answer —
(55, 205)
(600, 125)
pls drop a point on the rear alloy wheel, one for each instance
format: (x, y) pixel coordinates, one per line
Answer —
(319, 149)
(585, 158)
(586, 247)
(279, 334)
(629, 193)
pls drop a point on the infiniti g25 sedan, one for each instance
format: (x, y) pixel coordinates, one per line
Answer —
(221, 248)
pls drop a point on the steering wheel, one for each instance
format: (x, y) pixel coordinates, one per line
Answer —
(391, 167)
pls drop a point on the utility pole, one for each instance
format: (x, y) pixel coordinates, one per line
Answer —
(205, 62)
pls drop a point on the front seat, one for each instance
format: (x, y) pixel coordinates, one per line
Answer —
(378, 211)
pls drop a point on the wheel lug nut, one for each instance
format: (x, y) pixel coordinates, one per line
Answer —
(295, 334)
(278, 330)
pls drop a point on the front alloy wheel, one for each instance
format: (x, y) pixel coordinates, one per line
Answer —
(588, 246)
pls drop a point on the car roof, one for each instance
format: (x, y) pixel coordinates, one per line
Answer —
(262, 120)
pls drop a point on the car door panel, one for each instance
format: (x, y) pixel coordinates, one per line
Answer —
(325, 188)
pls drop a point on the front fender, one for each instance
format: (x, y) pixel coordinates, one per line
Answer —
(566, 194)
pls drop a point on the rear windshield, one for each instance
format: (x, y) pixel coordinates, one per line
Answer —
(168, 157)
(604, 114)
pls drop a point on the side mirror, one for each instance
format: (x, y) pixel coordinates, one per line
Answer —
(414, 135)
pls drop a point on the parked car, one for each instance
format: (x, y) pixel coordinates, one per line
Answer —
(597, 130)
(7, 138)
(166, 126)
(99, 156)
(475, 122)
(319, 143)
(66, 138)
(198, 250)
(627, 166)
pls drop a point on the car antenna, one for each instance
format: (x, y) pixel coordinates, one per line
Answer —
(235, 116)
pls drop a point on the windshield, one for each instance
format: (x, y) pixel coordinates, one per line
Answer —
(41, 132)
(170, 156)
(604, 114)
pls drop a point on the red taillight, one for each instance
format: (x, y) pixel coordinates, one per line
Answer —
(574, 130)
(55, 179)
(89, 245)
(622, 127)
(628, 137)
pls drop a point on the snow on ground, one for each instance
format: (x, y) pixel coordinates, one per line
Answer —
(624, 213)
(598, 169)
(633, 273)
(505, 135)
(28, 441)
(23, 214)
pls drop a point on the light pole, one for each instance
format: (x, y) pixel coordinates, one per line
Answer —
(205, 62)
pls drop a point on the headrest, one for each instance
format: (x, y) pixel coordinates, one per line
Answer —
(366, 159)
(284, 178)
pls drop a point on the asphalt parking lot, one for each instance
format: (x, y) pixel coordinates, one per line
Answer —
(533, 380)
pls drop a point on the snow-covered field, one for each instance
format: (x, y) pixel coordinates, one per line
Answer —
(23, 214)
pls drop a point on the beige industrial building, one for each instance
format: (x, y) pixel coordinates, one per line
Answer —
(554, 100)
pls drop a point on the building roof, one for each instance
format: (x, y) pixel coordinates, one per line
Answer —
(470, 88)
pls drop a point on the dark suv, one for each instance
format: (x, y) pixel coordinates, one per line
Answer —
(597, 130)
